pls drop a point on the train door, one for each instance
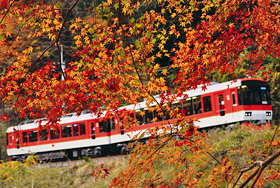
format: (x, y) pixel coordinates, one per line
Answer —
(107, 130)
(16, 140)
(102, 131)
(93, 131)
(220, 107)
(233, 103)
(114, 133)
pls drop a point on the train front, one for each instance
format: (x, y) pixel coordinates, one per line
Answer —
(254, 101)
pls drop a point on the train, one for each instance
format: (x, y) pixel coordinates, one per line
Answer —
(89, 135)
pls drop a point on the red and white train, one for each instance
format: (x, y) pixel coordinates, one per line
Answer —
(227, 103)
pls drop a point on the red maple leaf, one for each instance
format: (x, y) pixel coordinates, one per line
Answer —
(3, 3)
(4, 117)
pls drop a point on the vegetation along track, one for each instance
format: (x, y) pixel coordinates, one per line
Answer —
(79, 161)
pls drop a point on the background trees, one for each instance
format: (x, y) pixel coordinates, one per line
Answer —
(113, 54)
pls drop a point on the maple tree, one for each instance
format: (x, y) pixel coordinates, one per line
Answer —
(114, 55)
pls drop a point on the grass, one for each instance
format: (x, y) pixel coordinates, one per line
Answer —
(231, 144)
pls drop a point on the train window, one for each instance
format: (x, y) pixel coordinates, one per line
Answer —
(33, 136)
(92, 130)
(187, 106)
(113, 127)
(222, 105)
(148, 116)
(196, 105)
(207, 104)
(66, 131)
(17, 140)
(159, 117)
(122, 128)
(248, 95)
(104, 126)
(121, 125)
(44, 134)
(121, 121)
(254, 93)
(131, 114)
(233, 98)
(166, 112)
(139, 117)
(178, 105)
(55, 133)
(75, 129)
(239, 96)
(24, 136)
(129, 117)
(11, 141)
(82, 129)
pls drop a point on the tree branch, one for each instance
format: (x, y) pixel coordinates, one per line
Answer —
(262, 165)
(58, 36)
(273, 136)
(7, 12)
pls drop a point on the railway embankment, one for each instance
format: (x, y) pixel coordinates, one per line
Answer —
(234, 145)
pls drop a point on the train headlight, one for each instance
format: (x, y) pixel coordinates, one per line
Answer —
(248, 114)
(268, 113)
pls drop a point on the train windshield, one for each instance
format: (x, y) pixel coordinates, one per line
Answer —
(254, 93)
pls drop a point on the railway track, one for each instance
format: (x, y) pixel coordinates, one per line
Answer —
(79, 161)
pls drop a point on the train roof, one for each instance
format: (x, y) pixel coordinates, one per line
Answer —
(32, 124)
(72, 117)
(213, 87)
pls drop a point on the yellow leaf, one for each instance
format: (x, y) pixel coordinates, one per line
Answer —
(46, 53)
(167, 54)
(164, 71)
(159, 54)
(18, 37)
(142, 113)
(183, 24)
(173, 15)
(78, 19)
(274, 143)
(124, 10)
(161, 46)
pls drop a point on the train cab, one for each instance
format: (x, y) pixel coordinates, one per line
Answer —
(254, 99)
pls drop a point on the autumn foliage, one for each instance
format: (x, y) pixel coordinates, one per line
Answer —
(116, 55)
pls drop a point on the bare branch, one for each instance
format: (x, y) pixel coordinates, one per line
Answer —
(273, 136)
(58, 36)
(261, 164)
(7, 12)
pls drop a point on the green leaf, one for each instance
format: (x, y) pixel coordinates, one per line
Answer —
(137, 82)
(57, 5)
(116, 5)
(137, 43)
(91, 31)
(115, 61)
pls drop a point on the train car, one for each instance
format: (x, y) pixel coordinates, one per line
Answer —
(241, 100)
